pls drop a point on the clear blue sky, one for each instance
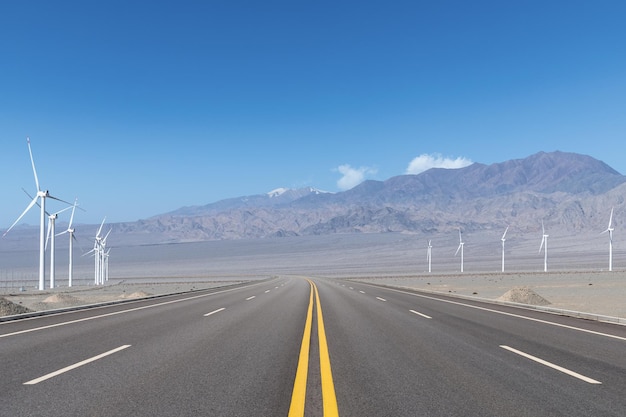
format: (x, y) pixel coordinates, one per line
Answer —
(140, 107)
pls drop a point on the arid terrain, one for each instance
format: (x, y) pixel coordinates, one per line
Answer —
(576, 280)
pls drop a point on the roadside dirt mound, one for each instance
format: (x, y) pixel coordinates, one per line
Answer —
(61, 299)
(524, 295)
(137, 294)
(8, 308)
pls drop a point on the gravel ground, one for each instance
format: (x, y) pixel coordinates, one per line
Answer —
(575, 282)
(34, 300)
(601, 293)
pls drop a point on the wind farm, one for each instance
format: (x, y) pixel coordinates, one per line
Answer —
(47, 235)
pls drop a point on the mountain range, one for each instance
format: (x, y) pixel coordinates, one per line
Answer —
(572, 190)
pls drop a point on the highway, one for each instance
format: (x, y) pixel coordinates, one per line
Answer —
(294, 346)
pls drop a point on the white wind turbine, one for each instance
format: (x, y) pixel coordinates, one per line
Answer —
(51, 221)
(544, 245)
(42, 195)
(460, 248)
(97, 249)
(70, 231)
(104, 259)
(610, 229)
(503, 239)
(429, 255)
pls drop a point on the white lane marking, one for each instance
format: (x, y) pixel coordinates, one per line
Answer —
(381, 299)
(351, 288)
(420, 314)
(551, 365)
(266, 291)
(250, 298)
(115, 313)
(362, 292)
(76, 365)
(565, 326)
(213, 312)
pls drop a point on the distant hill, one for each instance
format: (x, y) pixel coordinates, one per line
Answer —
(572, 190)
(275, 198)
(575, 192)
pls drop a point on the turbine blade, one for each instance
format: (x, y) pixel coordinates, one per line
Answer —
(506, 230)
(38, 205)
(58, 199)
(32, 161)
(543, 239)
(69, 226)
(32, 203)
(610, 219)
(457, 250)
(48, 233)
(100, 229)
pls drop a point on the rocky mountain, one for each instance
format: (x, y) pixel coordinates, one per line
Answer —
(275, 198)
(571, 190)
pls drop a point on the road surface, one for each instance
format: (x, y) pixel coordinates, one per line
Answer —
(295, 346)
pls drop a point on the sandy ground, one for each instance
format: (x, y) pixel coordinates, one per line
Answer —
(601, 293)
(576, 280)
(34, 300)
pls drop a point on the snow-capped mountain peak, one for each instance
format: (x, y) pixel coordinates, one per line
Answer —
(277, 192)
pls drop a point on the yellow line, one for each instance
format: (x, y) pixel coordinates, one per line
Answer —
(296, 409)
(328, 387)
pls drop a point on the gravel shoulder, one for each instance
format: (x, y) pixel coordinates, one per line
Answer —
(60, 298)
(601, 293)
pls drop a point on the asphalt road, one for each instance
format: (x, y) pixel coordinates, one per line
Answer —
(293, 346)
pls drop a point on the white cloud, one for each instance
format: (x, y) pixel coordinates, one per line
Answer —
(352, 177)
(425, 162)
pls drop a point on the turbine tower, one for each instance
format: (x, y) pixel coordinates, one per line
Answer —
(503, 239)
(610, 229)
(461, 243)
(70, 231)
(429, 255)
(42, 195)
(544, 245)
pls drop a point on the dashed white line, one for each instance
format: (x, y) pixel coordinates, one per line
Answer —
(381, 299)
(76, 365)
(420, 314)
(362, 292)
(266, 291)
(551, 365)
(519, 316)
(213, 312)
(250, 298)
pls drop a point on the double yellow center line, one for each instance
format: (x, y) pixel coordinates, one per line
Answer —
(298, 396)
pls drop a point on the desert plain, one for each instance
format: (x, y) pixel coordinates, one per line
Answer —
(577, 279)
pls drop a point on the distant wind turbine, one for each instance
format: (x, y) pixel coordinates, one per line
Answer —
(610, 229)
(544, 245)
(51, 221)
(429, 255)
(70, 231)
(461, 243)
(503, 239)
(42, 195)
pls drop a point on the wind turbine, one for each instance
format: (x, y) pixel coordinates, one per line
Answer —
(544, 245)
(42, 195)
(610, 229)
(104, 259)
(429, 255)
(70, 230)
(51, 221)
(503, 239)
(461, 243)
